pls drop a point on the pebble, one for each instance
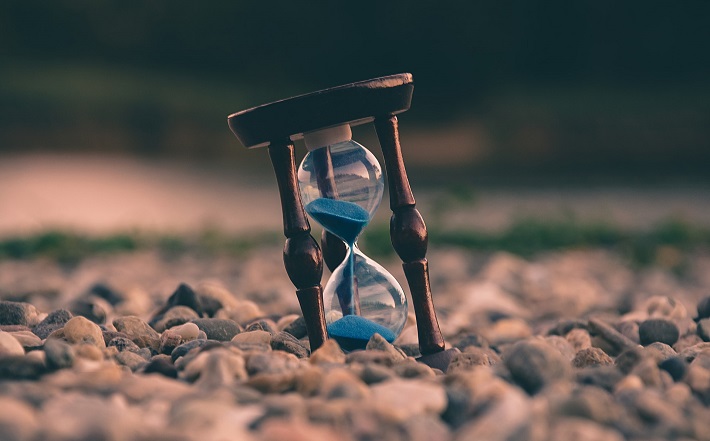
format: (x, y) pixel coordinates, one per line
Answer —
(704, 329)
(243, 312)
(507, 330)
(470, 339)
(218, 329)
(106, 292)
(260, 340)
(130, 359)
(579, 339)
(20, 367)
(188, 331)
(93, 308)
(18, 421)
(373, 373)
(17, 313)
(162, 366)
(55, 320)
(412, 369)
(9, 345)
(379, 343)
(339, 383)
(579, 429)
(27, 339)
(216, 369)
(123, 344)
(472, 357)
(328, 353)
(138, 331)
(184, 348)
(81, 330)
(370, 356)
(275, 362)
(177, 315)
(297, 328)
(169, 341)
(534, 364)
(675, 366)
(660, 351)
(658, 330)
(704, 308)
(617, 341)
(591, 357)
(263, 325)
(407, 398)
(283, 341)
(59, 355)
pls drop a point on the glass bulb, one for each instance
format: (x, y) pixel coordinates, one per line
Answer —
(341, 187)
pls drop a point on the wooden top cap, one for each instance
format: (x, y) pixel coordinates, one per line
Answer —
(354, 103)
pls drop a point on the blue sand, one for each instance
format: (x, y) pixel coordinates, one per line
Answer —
(346, 220)
(355, 327)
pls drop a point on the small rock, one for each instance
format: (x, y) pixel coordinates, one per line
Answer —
(665, 307)
(297, 328)
(130, 359)
(592, 403)
(17, 313)
(244, 311)
(275, 362)
(162, 366)
(263, 325)
(21, 367)
(184, 348)
(470, 339)
(253, 338)
(690, 353)
(123, 344)
(413, 369)
(18, 421)
(370, 356)
(328, 353)
(579, 339)
(187, 332)
(214, 297)
(55, 320)
(342, 383)
(177, 315)
(107, 293)
(408, 398)
(9, 345)
(472, 357)
(60, 355)
(81, 330)
(704, 329)
(169, 340)
(184, 295)
(562, 345)
(534, 364)
(216, 369)
(565, 326)
(675, 366)
(591, 357)
(630, 330)
(660, 351)
(605, 377)
(661, 330)
(93, 308)
(27, 339)
(375, 373)
(378, 343)
(686, 342)
(629, 383)
(410, 350)
(218, 329)
(704, 308)
(88, 351)
(627, 360)
(138, 331)
(283, 341)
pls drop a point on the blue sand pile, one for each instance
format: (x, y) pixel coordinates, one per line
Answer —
(344, 219)
(353, 332)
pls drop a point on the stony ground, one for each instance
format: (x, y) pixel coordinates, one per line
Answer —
(569, 345)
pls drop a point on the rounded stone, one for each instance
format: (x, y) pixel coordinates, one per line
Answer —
(704, 329)
(675, 366)
(55, 320)
(17, 313)
(81, 330)
(218, 329)
(138, 331)
(591, 357)
(187, 332)
(658, 330)
(9, 345)
(59, 354)
(534, 364)
(704, 308)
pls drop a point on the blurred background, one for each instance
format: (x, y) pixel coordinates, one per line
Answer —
(113, 114)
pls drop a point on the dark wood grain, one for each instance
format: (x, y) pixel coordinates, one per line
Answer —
(409, 236)
(302, 255)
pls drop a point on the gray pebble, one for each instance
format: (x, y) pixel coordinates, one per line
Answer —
(297, 328)
(412, 369)
(21, 367)
(704, 329)
(472, 357)
(93, 308)
(60, 355)
(534, 364)
(283, 341)
(605, 377)
(263, 325)
(275, 362)
(627, 360)
(617, 342)
(370, 356)
(55, 320)
(378, 343)
(177, 315)
(660, 351)
(375, 373)
(130, 359)
(658, 330)
(16, 313)
(184, 348)
(218, 329)
(704, 308)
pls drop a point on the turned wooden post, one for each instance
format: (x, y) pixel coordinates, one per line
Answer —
(409, 236)
(302, 255)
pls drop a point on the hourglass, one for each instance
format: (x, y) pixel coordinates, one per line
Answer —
(340, 185)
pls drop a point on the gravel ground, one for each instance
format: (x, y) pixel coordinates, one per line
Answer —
(570, 345)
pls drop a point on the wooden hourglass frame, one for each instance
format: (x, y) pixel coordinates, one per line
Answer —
(276, 125)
